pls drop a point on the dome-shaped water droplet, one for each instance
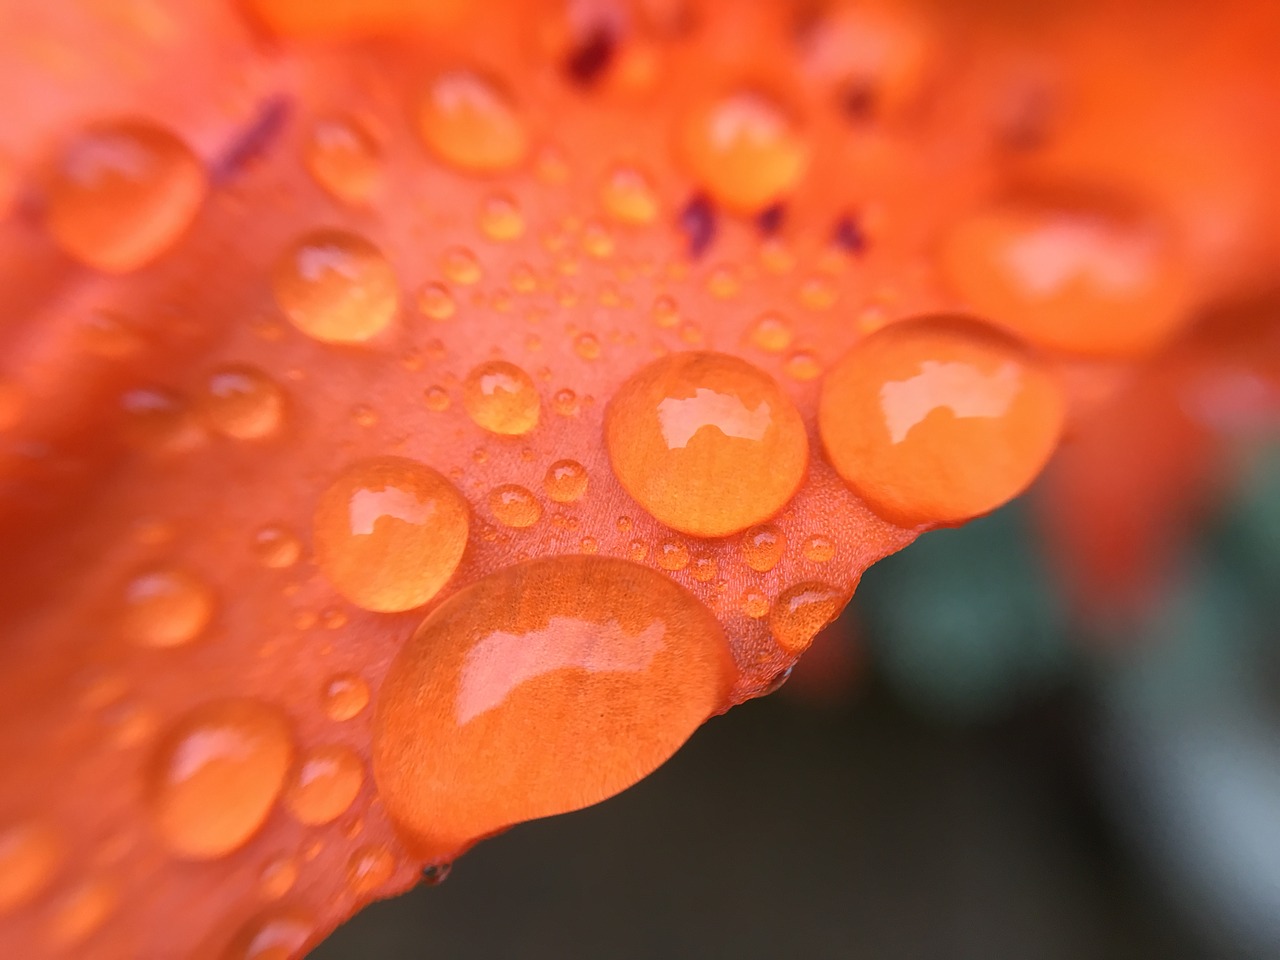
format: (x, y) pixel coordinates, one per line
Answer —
(628, 196)
(344, 159)
(501, 398)
(435, 301)
(471, 124)
(762, 547)
(706, 443)
(612, 663)
(369, 868)
(673, 555)
(501, 219)
(461, 266)
(514, 506)
(324, 783)
(165, 607)
(745, 149)
(345, 696)
(122, 193)
(566, 481)
(243, 402)
(389, 532)
(771, 333)
(939, 419)
(276, 547)
(336, 286)
(818, 549)
(276, 935)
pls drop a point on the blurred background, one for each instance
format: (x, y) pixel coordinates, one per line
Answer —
(959, 768)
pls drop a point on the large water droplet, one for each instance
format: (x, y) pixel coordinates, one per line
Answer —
(216, 774)
(939, 419)
(389, 532)
(471, 124)
(501, 398)
(324, 784)
(706, 443)
(122, 193)
(612, 663)
(336, 286)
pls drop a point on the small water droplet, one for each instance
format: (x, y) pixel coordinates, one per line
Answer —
(755, 604)
(278, 877)
(336, 287)
(587, 346)
(159, 421)
(243, 403)
(436, 302)
(461, 266)
(324, 784)
(344, 159)
(803, 366)
(437, 399)
(628, 196)
(673, 555)
(565, 403)
(514, 506)
(566, 481)
(165, 607)
(762, 547)
(363, 415)
(501, 398)
(665, 312)
(369, 868)
(771, 333)
(276, 547)
(345, 696)
(723, 283)
(818, 549)
(500, 219)
(704, 569)
(272, 936)
(817, 293)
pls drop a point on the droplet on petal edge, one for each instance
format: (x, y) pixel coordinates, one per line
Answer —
(939, 419)
(606, 648)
